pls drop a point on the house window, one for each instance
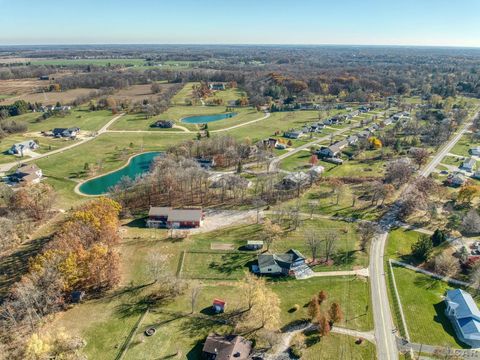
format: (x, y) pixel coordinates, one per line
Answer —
(269, 269)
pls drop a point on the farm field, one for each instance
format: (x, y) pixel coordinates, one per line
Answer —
(49, 97)
(136, 93)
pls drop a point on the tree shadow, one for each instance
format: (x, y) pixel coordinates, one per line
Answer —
(231, 263)
(196, 352)
(427, 282)
(139, 223)
(15, 265)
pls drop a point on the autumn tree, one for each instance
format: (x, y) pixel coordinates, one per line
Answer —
(313, 242)
(467, 193)
(313, 309)
(323, 325)
(335, 313)
(264, 312)
(322, 297)
(35, 200)
(420, 156)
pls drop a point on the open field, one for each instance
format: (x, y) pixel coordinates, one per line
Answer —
(49, 97)
(137, 93)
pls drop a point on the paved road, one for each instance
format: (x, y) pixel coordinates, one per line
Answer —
(186, 131)
(445, 149)
(382, 315)
(6, 167)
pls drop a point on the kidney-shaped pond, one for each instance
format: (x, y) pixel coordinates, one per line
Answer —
(137, 165)
(202, 119)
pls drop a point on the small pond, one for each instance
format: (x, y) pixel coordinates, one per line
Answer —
(202, 119)
(138, 165)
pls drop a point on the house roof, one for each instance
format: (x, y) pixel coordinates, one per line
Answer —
(296, 177)
(466, 312)
(469, 162)
(27, 143)
(28, 169)
(227, 347)
(282, 260)
(463, 303)
(176, 214)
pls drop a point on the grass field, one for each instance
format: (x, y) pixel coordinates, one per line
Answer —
(106, 323)
(336, 346)
(423, 305)
(176, 113)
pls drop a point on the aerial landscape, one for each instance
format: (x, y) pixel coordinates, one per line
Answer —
(261, 180)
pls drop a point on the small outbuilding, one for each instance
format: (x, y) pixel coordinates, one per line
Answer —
(226, 347)
(219, 306)
(254, 245)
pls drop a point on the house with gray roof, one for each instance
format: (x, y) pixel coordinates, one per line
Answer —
(469, 165)
(20, 148)
(293, 180)
(463, 313)
(333, 150)
(167, 217)
(281, 264)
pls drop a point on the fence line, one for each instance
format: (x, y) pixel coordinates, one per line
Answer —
(399, 302)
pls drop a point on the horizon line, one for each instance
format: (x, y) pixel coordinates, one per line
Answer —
(250, 44)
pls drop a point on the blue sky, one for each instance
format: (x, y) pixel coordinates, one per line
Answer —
(367, 22)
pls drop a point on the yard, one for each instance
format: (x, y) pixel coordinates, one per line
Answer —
(107, 323)
(422, 300)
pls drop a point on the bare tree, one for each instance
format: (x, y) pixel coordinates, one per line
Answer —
(195, 292)
(366, 230)
(446, 265)
(313, 242)
(329, 244)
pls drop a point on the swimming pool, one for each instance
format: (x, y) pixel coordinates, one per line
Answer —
(137, 165)
(202, 119)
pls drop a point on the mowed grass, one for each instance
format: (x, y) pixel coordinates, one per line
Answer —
(202, 262)
(321, 200)
(463, 145)
(105, 323)
(84, 119)
(336, 346)
(422, 300)
(176, 113)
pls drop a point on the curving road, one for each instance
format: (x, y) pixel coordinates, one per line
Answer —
(6, 167)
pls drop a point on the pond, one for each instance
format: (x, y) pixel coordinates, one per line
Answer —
(202, 119)
(137, 165)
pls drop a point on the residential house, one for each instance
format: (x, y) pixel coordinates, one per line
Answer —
(66, 132)
(364, 134)
(293, 181)
(469, 165)
(333, 150)
(280, 146)
(455, 180)
(167, 217)
(316, 171)
(293, 134)
(281, 264)
(387, 121)
(20, 148)
(475, 151)
(44, 77)
(27, 174)
(364, 109)
(463, 313)
(476, 175)
(226, 347)
(164, 124)
(352, 139)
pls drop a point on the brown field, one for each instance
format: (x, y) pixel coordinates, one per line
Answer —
(47, 98)
(13, 60)
(138, 92)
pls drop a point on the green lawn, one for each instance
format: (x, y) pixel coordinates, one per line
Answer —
(463, 145)
(81, 62)
(320, 199)
(84, 119)
(422, 302)
(176, 113)
(336, 346)
(105, 323)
